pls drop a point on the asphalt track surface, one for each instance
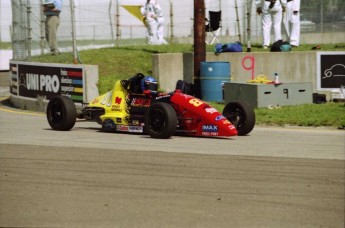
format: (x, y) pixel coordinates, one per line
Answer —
(275, 177)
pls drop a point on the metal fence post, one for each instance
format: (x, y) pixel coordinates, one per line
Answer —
(75, 53)
(238, 21)
(171, 22)
(111, 20)
(28, 29)
(117, 23)
(249, 17)
(321, 13)
(42, 27)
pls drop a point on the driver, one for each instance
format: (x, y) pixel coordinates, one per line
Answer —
(149, 86)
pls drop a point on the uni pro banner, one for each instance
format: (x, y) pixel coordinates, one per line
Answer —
(33, 80)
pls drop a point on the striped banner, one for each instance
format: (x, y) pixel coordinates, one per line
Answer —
(14, 79)
(72, 84)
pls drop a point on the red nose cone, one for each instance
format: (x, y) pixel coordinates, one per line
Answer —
(232, 130)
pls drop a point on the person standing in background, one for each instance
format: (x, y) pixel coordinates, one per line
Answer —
(160, 23)
(148, 12)
(291, 22)
(271, 12)
(52, 10)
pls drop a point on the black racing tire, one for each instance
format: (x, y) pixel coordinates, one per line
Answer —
(61, 113)
(241, 114)
(160, 120)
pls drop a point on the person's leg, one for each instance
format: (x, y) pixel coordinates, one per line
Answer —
(277, 25)
(152, 31)
(53, 24)
(160, 31)
(295, 30)
(286, 21)
(147, 34)
(266, 28)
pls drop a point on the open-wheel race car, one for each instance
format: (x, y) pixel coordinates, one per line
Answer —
(135, 106)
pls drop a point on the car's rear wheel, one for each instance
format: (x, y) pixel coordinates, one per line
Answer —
(61, 113)
(160, 120)
(241, 115)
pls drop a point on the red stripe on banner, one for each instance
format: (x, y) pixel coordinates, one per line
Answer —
(74, 74)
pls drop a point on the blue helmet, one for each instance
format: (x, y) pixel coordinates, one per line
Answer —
(149, 83)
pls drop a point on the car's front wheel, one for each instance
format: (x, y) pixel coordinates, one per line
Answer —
(61, 113)
(160, 120)
(241, 115)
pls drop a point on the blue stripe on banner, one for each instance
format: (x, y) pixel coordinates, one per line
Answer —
(77, 82)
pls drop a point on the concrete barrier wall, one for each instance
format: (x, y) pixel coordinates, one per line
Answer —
(290, 66)
(4, 83)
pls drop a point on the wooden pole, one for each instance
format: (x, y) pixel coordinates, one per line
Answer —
(199, 43)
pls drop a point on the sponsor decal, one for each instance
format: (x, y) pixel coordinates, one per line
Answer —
(116, 108)
(71, 89)
(122, 128)
(71, 73)
(141, 102)
(209, 128)
(163, 96)
(45, 81)
(210, 110)
(221, 117)
(107, 99)
(72, 83)
(209, 133)
(195, 102)
(226, 122)
(95, 101)
(135, 129)
(232, 127)
(118, 100)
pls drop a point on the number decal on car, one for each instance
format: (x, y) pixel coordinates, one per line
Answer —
(196, 102)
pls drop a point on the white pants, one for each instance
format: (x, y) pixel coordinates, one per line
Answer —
(160, 30)
(151, 25)
(269, 17)
(292, 25)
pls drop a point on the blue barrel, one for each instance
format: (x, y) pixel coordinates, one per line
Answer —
(213, 75)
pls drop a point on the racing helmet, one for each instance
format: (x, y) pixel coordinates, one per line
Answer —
(149, 83)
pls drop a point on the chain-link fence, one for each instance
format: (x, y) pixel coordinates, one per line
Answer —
(108, 23)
